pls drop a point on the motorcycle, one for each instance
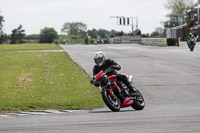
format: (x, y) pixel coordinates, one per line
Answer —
(191, 44)
(116, 94)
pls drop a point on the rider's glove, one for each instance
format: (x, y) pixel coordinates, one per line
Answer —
(92, 81)
(116, 67)
(113, 67)
(96, 83)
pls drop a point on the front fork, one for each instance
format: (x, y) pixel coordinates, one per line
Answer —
(109, 90)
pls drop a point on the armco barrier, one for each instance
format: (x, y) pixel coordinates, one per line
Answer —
(162, 42)
(125, 39)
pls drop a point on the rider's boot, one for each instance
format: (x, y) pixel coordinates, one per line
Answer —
(132, 89)
(134, 93)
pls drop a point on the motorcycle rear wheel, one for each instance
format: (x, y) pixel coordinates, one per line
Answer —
(112, 102)
(140, 103)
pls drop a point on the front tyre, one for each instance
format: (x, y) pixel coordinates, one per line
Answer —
(192, 45)
(112, 102)
(139, 102)
(191, 48)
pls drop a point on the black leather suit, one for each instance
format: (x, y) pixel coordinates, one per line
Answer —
(111, 63)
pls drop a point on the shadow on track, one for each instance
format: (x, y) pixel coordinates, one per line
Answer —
(108, 111)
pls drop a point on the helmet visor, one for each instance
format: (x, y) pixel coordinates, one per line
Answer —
(98, 60)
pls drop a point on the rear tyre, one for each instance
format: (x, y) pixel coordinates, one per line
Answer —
(139, 103)
(112, 102)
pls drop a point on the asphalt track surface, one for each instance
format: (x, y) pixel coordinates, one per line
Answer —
(168, 78)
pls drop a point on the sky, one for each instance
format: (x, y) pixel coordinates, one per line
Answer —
(34, 15)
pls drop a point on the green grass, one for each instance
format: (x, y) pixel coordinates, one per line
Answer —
(14, 47)
(44, 80)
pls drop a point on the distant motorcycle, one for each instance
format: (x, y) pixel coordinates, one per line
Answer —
(116, 94)
(191, 44)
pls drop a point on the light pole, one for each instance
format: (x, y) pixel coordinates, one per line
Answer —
(198, 14)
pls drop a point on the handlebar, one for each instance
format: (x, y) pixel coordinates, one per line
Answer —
(107, 70)
(104, 71)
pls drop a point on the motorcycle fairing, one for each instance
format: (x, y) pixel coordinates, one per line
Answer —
(127, 102)
(99, 75)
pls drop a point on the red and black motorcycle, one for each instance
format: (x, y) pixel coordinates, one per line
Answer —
(116, 94)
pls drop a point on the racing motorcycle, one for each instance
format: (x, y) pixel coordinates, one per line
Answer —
(116, 94)
(191, 44)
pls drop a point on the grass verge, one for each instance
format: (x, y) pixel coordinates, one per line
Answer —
(14, 47)
(44, 80)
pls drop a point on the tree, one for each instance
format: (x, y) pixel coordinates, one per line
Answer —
(2, 34)
(179, 6)
(159, 30)
(188, 25)
(145, 35)
(113, 33)
(86, 40)
(74, 28)
(32, 37)
(103, 33)
(47, 35)
(17, 35)
(98, 33)
(155, 34)
(92, 33)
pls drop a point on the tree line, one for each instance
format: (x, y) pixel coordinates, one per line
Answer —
(74, 30)
(47, 35)
(71, 31)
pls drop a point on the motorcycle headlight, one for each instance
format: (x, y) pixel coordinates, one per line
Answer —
(104, 80)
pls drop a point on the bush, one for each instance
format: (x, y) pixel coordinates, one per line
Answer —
(86, 40)
(47, 35)
(92, 41)
(74, 37)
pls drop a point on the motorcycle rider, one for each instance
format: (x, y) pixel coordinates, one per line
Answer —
(102, 64)
(189, 38)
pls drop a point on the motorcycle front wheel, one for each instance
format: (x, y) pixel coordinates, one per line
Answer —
(191, 48)
(112, 102)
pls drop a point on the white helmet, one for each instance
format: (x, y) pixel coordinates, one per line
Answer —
(99, 58)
